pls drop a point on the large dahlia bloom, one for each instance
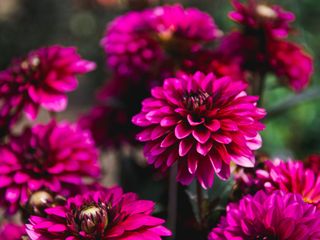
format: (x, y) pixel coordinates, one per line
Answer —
(108, 214)
(279, 215)
(11, 231)
(55, 157)
(42, 78)
(138, 43)
(291, 176)
(272, 20)
(202, 123)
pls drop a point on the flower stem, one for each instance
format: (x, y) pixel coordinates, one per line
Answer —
(173, 195)
(201, 207)
(258, 84)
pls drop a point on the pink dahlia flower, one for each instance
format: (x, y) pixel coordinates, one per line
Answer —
(54, 156)
(138, 43)
(291, 63)
(129, 46)
(293, 177)
(279, 215)
(10, 231)
(202, 123)
(271, 19)
(42, 78)
(108, 214)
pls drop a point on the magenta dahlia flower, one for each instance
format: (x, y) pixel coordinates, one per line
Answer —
(202, 123)
(54, 156)
(291, 176)
(138, 43)
(11, 231)
(108, 214)
(129, 46)
(291, 63)
(271, 19)
(42, 78)
(279, 215)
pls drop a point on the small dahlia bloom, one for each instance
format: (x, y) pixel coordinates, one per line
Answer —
(138, 43)
(272, 20)
(108, 214)
(291, 176)
(11, 231)
(55, 156)
(42, 78)
(291, 63)
(177, 27)
(279, 215)
(129, 46)
(202, 123)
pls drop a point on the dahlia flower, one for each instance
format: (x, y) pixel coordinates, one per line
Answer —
(289, 62)
(138, 43)
(272, 20)
(279, 215)
(291, 176)
(42, 78)
(54, 156)
(201, 122)
(10, 231)
(108, 214)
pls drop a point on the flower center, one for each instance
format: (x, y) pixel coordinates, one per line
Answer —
(93, 219)
(266, 237)
(31, 63)
(40, 199)
(194, 100)
(265, 11)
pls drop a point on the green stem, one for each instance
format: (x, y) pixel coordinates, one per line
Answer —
(172, 201)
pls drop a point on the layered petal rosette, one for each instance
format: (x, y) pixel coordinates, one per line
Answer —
(139, 43)
(273, 20)
(42, 78)
(108, 214)
(279, 215)
(56, 157)
(291, 176)
(202, 123)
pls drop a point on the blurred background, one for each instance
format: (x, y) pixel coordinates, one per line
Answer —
(293, 125)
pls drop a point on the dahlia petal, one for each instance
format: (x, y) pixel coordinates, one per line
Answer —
(193, 122)
(202, 135)
(203, 149)
(183, 176)
(224, 173)
(168, 141)
(57, 211)
(213, 126)
(192, 163)
(205, 173)
(20, 177)
(228, 125)
(162, 231)
(184, 146)
(182, 131)
(169, 121)
(216, 162)
(138, 220)
(57, 228)
(12, 194)
(5, 181)
(158, 132)
(221, 138)
(243, 161)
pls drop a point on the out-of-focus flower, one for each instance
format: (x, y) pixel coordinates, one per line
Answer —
(256, 16)
(138, 43)
(291, 176)
(202, 123)
(55, 156)
(11, 231)
(289, 62)
(108, 214)
(279, 215)
(313, 162)
(42, 78)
